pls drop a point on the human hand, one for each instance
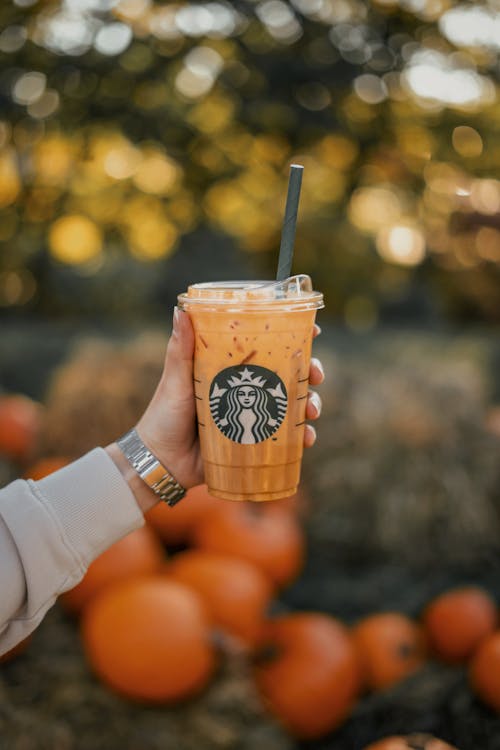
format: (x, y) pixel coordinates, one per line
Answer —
(168, 426)
(313, 408)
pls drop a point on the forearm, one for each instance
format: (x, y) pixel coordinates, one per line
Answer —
(51, 532)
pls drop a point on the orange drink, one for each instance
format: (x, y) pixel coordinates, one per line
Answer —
(251, 372)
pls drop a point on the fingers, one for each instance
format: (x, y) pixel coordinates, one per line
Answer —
(313, 406)
(316, 372)
(309, 436)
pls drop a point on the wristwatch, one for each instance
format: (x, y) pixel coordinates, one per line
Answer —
(149, 468)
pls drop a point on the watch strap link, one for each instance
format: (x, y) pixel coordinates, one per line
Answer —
(149, 468)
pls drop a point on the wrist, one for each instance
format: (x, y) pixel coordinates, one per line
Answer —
(144, 495)
(148, 468)
(178, 455)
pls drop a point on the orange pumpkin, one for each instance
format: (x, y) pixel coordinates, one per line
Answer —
(176, 525)
(148, 639)
(310, 676)
(45, 466)
(485, 671)
(138, 553)
(457, 621)
(235, 592)
(265, 534)
(391, 647)
(20, 423)
(411, 742)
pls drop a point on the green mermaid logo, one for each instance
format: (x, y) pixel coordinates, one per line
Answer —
(248, 404)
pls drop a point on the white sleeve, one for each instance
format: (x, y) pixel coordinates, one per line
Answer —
(51, 530)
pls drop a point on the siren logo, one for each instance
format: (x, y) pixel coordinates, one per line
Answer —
(248, 404)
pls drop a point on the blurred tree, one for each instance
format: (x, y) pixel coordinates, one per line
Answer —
(130, 126)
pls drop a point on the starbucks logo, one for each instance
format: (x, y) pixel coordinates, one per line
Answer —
(248, 404)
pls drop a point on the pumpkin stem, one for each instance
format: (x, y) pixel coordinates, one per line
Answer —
(418, 741)
(266, 654)
(253, 510)
(406, 651)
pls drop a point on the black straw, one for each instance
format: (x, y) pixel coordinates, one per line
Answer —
(289, 222)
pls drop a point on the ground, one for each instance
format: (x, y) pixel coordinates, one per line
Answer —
(404, 495)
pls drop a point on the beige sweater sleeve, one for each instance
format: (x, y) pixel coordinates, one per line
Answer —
(51, 530)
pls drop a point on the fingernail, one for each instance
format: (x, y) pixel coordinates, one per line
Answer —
(317, 363)
(311, 436)
(176, 320)
(315, 401)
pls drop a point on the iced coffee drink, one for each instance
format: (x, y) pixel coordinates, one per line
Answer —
(251, 373)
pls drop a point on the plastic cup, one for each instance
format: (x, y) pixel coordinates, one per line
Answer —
(251, 373)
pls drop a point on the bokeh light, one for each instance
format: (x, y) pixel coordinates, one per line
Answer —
(485, 196)
(466, 141)
(372, 208)
(29, 87)
(370, 88)
(488, 244)
(471, 26)
(122, 162)
(401, 244)
(149, 233)
(155, 173)
(10, 181)
(201, 67)
(434, 77)
(74, 240)
(16, 287)
(151, 121)
(12, 38)
(113, 38)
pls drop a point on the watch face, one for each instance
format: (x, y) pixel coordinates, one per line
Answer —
(248, 404)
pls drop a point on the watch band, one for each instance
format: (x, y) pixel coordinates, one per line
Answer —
(151, 471)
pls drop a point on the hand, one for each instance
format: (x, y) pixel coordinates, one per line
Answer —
(168, 426)
(313, 408)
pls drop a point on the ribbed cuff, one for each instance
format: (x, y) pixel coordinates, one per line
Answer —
(92, 502)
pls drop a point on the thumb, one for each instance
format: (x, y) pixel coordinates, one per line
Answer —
(177, 378)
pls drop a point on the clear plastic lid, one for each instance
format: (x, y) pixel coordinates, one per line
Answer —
(296, 291)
